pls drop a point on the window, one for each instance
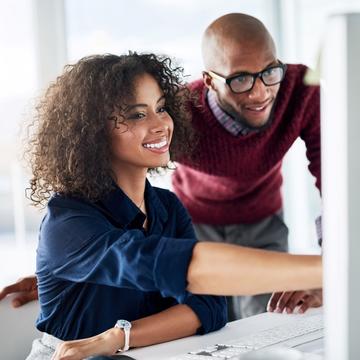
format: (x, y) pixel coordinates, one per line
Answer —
(18, 222)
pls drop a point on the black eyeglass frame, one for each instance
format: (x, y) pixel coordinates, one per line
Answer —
(256, 75)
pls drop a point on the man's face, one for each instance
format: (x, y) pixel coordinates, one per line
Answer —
(252, 108)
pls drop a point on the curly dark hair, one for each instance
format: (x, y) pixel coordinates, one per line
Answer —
(69, 150)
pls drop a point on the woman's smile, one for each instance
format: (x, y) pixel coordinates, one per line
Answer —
(157, 146)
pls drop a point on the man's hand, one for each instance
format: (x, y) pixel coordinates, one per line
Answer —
(288, 301)
(25, 290)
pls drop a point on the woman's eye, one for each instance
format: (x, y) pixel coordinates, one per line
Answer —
(136, 116)
(162, 109)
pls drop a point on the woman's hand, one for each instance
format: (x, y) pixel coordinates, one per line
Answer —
(106, 343)
(25, 290)
(173, 323)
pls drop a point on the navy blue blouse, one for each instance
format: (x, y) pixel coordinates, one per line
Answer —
(96, 264)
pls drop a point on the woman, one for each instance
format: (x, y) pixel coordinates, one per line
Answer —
(113, 247)
(100, 127)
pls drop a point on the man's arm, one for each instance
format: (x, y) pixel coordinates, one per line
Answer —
(174, 323)
(25, 290)
(310, 132)
(302, 300)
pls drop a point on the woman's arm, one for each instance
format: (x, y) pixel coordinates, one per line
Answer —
(228, 269)
(174, 323)
(225, 269)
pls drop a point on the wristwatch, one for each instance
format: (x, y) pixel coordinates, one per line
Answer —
(126, 326)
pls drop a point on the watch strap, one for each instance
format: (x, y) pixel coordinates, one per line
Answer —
(125, 326)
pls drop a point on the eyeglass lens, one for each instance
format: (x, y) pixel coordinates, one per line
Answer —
(245, 82)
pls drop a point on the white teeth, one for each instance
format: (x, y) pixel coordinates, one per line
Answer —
(257, 108)
(156, 146)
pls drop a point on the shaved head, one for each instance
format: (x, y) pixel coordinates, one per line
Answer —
(233, 30)
(237, 44)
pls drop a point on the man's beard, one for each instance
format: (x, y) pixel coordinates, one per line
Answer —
(246, 124)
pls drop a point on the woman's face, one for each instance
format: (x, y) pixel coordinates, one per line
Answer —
(141, 136)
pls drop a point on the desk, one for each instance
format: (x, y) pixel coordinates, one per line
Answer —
(231, 331)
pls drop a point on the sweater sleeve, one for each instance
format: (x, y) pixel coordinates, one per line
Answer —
(311, 133)
(83, 247)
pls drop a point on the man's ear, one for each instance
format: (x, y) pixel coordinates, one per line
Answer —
(207, 80)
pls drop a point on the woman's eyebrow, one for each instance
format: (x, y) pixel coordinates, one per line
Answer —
(161, 98)
(130, 107)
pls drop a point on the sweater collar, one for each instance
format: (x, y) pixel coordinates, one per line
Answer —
(230, 124)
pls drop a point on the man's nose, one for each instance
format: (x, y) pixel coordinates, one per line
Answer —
(259, 89)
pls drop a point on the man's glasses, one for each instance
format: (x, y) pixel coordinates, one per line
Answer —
(245, 81)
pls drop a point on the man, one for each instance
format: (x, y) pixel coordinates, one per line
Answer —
(251, 108)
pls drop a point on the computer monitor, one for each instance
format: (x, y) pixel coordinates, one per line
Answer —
(340, 129)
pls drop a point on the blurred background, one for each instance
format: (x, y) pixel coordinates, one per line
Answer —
(38, 37)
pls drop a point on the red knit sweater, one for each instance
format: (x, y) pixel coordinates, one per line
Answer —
(237, 179)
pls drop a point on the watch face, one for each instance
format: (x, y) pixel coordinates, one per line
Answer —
(123, 324)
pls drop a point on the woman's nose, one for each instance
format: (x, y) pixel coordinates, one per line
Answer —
(158, 125)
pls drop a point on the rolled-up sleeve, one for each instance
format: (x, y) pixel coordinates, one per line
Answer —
(211, 310)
